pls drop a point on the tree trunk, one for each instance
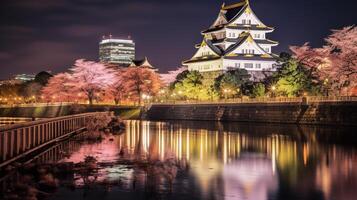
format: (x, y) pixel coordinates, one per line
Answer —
(139, 97)
(116, 101)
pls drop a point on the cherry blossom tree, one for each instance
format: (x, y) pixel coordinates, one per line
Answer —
(140, 80)
(91, 78)
(117, 90)
(335, 64)
(343, 50)
(59, 88)
(170, 76)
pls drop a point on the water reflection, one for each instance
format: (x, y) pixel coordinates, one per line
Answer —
(230, 161)
(205, 160)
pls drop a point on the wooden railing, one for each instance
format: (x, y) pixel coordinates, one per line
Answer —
(21, 139)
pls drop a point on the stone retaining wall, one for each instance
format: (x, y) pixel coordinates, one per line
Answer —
(327, 113)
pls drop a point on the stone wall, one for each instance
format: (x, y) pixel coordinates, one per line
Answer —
(328, 113)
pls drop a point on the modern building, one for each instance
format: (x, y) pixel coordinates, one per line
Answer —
(236, 39)
(18, 79)
(142, 63)
(25, 77)
(116, 51)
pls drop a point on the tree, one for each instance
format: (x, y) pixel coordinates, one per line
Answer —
(335, 64)
(32, 90)
(60, 88)
(292, 79)
(342, 45)
(139, 81)
(258, 90)
(179, 78)
(9, 91)
(42, 78)
(231, 82)
(189, 85)
(91, 78)
(116, 91)
(171, 76)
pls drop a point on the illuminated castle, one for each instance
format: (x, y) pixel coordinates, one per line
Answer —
(237, 39)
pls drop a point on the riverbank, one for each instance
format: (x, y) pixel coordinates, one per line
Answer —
(342, 113)
(50, 111)
(317, 113)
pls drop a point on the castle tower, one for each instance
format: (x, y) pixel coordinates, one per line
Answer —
(236, 39)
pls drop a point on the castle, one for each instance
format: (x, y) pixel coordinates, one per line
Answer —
(236, 39)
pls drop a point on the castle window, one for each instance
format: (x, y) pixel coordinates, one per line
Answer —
(258, 65)
(248, 65)
(244, 21)
(237, 65)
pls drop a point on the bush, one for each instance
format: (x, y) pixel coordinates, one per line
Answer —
(258, 90)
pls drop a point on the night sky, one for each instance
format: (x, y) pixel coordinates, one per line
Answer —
(38, 35)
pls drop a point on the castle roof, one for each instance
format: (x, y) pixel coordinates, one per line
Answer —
(264, 41)
(141, 63)
(214, 48)
(227, 54)
(231, 11)
(227, 19)
(202, 59)
(242, 38)
(252, 27)
(265, 57)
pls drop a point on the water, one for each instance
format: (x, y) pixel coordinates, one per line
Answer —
(207, 160)
(13, 120)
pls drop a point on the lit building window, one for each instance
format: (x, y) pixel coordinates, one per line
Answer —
(248, 65)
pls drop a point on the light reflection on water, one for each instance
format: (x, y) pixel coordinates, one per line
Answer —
(222, 161)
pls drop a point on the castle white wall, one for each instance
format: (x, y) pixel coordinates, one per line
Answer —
(249, 65)
(204, 51)
(266, 47)
(250, 47)
(206, 66)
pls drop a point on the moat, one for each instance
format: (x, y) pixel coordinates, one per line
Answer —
(205, 160)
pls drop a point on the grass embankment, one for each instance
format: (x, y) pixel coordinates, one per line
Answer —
(130, 114)
(37, 112)
(62, 110)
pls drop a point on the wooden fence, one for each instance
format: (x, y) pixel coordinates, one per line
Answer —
(21, 139)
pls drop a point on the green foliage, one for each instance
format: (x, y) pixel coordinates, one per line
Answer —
(284, 57)
(293, 79)
(179, 78)
(258, 90)
(191, 87)
(231, 82)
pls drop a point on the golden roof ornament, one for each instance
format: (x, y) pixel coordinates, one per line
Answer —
(239, 4)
